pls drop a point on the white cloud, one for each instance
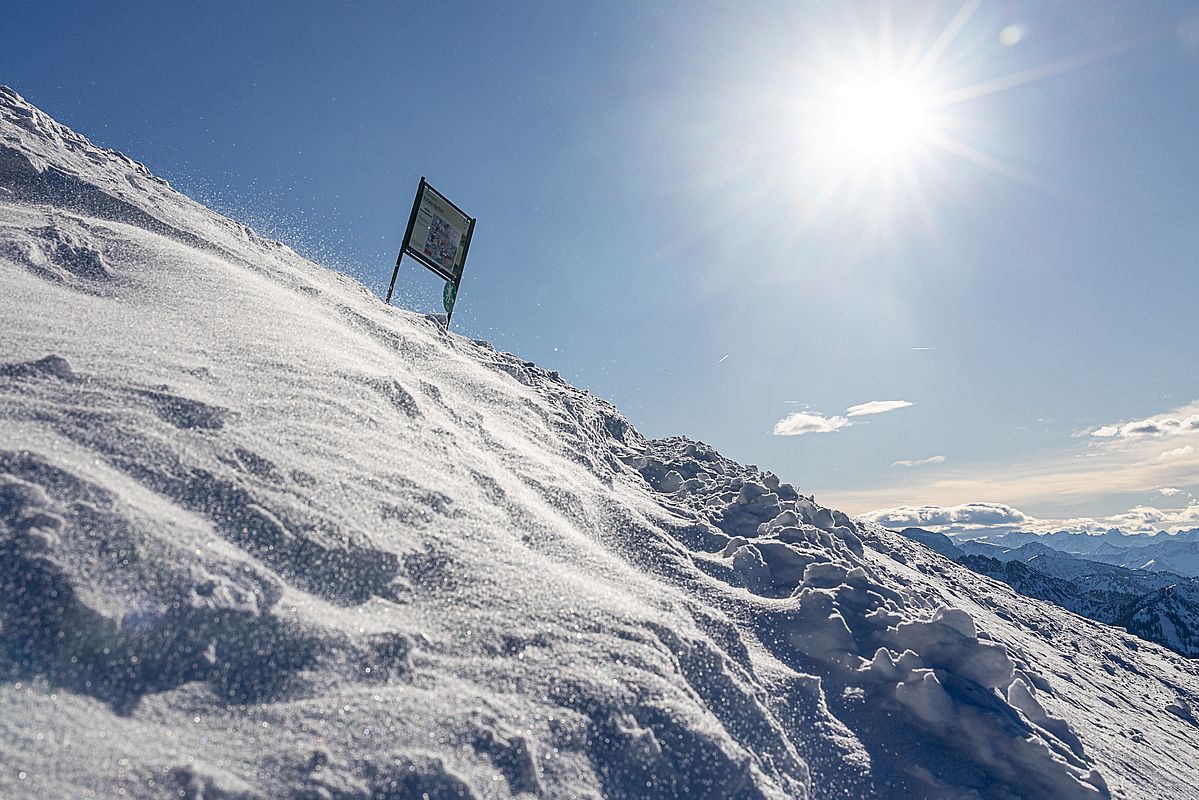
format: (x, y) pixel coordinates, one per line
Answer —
(994, 518)
(1073, 474)
(968, 516)
(1169, 491)
(1156, 428)
(802, 422)
(875, 407)
(919, 461)
(1177, 452)
(1147, 519)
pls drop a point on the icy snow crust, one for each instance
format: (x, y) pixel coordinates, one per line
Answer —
(262, 536)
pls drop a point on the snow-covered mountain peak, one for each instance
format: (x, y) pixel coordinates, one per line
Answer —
(263, 536)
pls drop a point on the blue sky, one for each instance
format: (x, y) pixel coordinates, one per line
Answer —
(665, 217)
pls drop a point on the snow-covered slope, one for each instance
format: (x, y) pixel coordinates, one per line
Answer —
(1059, 591)
(262, 536)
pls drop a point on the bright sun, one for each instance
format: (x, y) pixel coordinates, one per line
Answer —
(878, 118)
(867, 128)
(877, 121)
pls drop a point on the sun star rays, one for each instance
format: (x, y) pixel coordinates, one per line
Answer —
(881, 115)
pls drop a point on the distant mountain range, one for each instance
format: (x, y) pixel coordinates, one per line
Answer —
(1144, 584)
(1159, 552)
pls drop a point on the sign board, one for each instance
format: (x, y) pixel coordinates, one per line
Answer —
(438, 236)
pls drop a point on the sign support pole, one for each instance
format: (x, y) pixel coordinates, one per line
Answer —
(407, 235)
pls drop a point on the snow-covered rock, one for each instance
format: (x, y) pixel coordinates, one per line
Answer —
(262, 536)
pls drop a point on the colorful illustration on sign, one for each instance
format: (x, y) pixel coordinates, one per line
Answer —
(441, 244)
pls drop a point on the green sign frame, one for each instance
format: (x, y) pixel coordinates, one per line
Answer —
(438, 236)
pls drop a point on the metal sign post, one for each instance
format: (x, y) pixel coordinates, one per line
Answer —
(438, 236)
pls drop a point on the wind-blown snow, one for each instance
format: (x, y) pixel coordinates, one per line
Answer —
(262, 536)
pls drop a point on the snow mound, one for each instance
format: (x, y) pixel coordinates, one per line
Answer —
(263, 536)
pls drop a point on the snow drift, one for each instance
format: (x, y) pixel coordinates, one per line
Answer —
(262, 536)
